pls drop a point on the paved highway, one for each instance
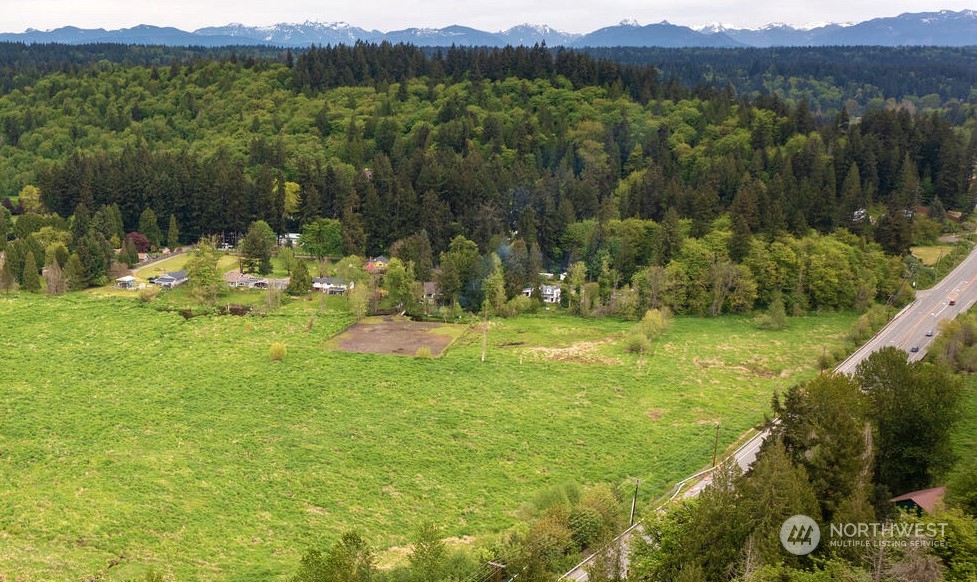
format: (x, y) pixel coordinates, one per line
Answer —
(913, 327)
(910, 327)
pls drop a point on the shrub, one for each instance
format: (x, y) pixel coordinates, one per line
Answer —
(637, 343)
(775, 318)
(148, 294)
(655, 322)
(586, 524)
(516, 305)
(278, 351)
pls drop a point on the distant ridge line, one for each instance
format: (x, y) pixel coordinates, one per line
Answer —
(943, 28)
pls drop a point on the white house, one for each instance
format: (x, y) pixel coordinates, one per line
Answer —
(332, 285)
(551, 293)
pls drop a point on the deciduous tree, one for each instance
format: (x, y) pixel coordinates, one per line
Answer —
(204, 280)
(30, 200)
(322, 238)
(350, 559)
(401, 286)
(57, 282)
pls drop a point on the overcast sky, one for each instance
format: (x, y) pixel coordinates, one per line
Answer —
(385, 15)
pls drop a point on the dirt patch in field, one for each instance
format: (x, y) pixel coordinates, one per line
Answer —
(580, 353)
(655, 413)
(394, 335)
(752, 367)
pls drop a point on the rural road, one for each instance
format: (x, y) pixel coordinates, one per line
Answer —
(906, 330)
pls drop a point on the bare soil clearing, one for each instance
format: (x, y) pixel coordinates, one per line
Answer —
(394, 335)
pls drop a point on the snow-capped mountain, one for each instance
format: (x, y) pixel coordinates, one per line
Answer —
(663, 34)
(303, 34)
(531, 34)
(451, 35)
(943, 28)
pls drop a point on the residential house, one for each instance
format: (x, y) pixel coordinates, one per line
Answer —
(272, 283)
(550, 293)
(332, 285)
(377, 265)
(430, 292)
(171, 280)
(240, 280)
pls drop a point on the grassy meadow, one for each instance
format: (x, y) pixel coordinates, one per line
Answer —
(135, 438)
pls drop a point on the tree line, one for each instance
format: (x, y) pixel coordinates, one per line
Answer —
(539, 171)
(830, 78)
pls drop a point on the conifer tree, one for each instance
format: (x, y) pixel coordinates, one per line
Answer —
(31, 279)
(8, 281)
(173, 234)
(429, 553)
(149, 226)
(75, 273)
(300, 282)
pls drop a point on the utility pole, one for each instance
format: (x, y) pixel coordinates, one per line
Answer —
(634, 501)
(484, 329)
(498, 570)
(715, 447)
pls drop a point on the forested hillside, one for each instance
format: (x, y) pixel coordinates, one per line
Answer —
(657, 182)
(548, 158)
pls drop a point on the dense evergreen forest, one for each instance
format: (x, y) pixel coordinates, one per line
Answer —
(830, 78)
(548, 158)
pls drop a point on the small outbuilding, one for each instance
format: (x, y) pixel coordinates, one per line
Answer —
(127, 282)
(919, 501)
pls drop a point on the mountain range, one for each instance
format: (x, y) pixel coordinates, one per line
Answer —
(943, 28)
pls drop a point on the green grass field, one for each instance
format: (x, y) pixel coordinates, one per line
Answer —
(129, 434)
